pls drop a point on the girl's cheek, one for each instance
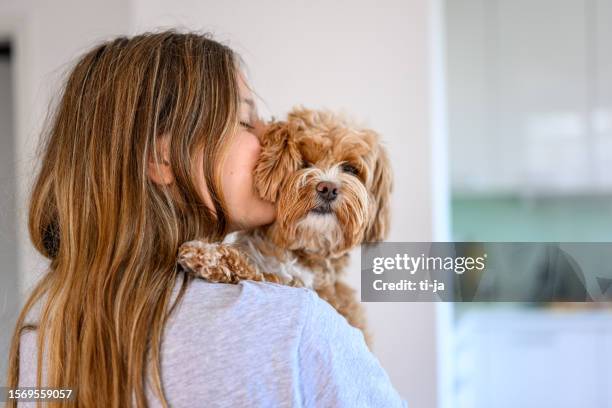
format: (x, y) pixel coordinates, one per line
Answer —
(239, 166)
(250, 147)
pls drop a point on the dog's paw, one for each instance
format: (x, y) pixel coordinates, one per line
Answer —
(216, 262)
(198, 256)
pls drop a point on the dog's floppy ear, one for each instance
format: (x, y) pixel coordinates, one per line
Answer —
(381, 187)
(279, 158)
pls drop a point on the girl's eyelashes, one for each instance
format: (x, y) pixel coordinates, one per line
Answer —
(247, 125)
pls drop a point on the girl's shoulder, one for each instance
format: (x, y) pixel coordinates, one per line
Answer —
(202, 295)
(246, 309)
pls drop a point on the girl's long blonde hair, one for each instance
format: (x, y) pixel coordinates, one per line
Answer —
(110, 233)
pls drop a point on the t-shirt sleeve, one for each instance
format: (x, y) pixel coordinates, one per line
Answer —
(336, 368)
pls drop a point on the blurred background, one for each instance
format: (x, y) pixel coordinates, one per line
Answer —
(530, 130)
(498, 118)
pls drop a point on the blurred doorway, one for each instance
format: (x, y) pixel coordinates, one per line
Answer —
(9, 290)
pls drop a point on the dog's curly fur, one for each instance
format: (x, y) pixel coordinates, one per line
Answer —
(309, 242)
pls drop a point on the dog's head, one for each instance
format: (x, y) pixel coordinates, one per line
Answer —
(330, 181)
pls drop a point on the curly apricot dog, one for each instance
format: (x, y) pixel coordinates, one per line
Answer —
(331, 183)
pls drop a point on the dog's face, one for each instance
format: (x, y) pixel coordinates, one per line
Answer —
(331, 183)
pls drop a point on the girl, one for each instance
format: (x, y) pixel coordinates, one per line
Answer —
(152, 144)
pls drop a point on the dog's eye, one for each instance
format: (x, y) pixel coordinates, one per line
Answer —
(349, 168)
(306, 164)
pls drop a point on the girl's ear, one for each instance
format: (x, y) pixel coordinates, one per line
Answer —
(159, 168)
(279, 157)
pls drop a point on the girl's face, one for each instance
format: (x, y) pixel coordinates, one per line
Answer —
(246, 209)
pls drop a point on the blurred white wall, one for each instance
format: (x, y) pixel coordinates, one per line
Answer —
(372, 60)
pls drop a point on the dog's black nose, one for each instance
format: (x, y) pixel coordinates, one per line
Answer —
(327, 190)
